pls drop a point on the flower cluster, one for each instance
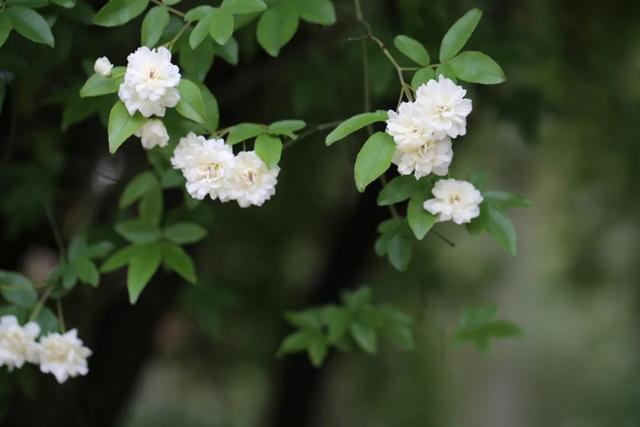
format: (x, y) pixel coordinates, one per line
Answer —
(62, 355)
(211, 168)
(423, 131)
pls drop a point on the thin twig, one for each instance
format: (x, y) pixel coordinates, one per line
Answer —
(38, 308)
(54, 227)
(170, 9)
(312, 130)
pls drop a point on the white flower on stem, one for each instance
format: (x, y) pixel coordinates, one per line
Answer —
(150, 82)
(18, 343)
(206, 165)
(433, 156)
(153, 133)
(407, 126)
(456, 201)
(63, 355)
(103, 66)
(444, 107)
(252, 182)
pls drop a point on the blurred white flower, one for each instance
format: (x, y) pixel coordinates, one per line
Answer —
(433, 156)
(252, 182)
(456, 201)
(407, 126)
(150, 82)
(153, 133)
(206, 165)
(444, 107)
(103, 66)
(63, 355)
(18, 343)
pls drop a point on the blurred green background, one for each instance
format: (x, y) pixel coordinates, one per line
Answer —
(562, 131)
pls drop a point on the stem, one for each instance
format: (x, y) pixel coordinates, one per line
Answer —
(312, 129)
(170, 9)
(63, 329)
(54, 228)
(171, 42)
(444, 239)
(38, 308)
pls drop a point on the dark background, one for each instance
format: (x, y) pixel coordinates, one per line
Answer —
(562, 130)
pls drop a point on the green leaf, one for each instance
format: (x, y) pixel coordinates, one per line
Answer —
(354, 124)
(153, 26)
(121, 258)
(17, 289)
(98, 85)
(317, 351)
(243, 6)
(399, 252)
(191, 104)
(338, 321)
(30, 24)
(5, 29)
(86, 271)
(276, 27)
(445, 70)
(297, 341)
(244, 131)
(476, 67)
(365, 336)
(457, 36)
(122, 125)
(198, 13)
(137, 231)
(286, 127)
(151, 206)
(142, 267)
(504, 200)
(47, 321)
(374, 159)
(479, 326)
(67, 4)
(418, 218)
(185, 232)
(397, 190)
(197, 62)
(138, 187)
(98, 250)
(118, 12)
(201, 30)
(316, 11)
(228, 52)
(175, 258)
(269, 149)
(212, 111)
(478, 224)
(27, 3)
(500, 227)
(412, 49)
(220, 25)
(422, 76)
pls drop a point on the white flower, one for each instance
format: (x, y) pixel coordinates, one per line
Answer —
(454, 200)
(433, 156)
(206, 165)
(18, 343)
(150, 82)
(407, 126)
(153, 133)
(63, 355)
(444, 107)
(103, 66)
(252, 182)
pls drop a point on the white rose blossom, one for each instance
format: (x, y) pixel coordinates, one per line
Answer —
(252, 182)
(407, 126)
(150, 82)
(444, 107)
(457, 201)
(63, 355)
(103, 66)
(153, 133)
(18, 343)
(206, 165)
(433, 156)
